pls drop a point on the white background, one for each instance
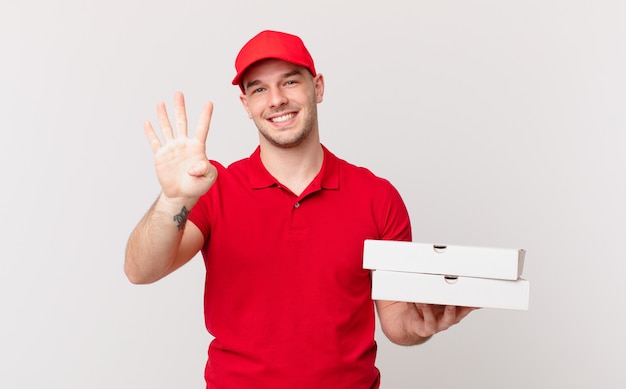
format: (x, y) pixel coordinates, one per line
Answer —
(500, 122)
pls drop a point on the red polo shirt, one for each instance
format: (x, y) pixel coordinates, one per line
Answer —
(286, 295)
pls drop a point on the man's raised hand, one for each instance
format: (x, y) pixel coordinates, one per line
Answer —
(182, 167)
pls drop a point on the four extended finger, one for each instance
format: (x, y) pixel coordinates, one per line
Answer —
(153, 139)
(164, 122)
(204, 122)
(180, 123)
(180, 115)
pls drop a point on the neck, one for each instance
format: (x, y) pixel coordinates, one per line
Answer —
(294, 167)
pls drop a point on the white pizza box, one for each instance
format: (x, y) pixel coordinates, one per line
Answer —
(446, 290)
(457, 260)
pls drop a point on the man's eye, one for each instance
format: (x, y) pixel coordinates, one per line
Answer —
(257, 90)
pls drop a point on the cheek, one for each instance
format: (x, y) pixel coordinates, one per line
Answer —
(246, 105)
(249, 111)
(254, 108)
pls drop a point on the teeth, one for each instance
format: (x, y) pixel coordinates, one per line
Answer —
(282, 118)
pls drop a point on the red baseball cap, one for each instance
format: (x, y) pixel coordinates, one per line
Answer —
(272, 44)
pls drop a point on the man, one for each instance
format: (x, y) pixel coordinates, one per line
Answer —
(281, 232)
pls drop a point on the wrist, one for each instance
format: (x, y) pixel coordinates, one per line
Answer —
(176, 209)
(167, 203)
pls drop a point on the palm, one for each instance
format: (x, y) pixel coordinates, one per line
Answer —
(173, 163)
(181, 164)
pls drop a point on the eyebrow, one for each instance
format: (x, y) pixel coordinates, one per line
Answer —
(292, 73)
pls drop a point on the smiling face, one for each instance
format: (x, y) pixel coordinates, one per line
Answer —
(281, 98)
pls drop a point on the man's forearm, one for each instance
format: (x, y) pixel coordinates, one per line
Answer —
(153, 245)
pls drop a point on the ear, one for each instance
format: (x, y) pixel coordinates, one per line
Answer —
(319, 88)
(244, 101)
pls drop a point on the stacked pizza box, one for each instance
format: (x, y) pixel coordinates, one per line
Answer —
(470, 276)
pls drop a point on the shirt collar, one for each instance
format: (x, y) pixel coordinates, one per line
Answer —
(328, 175)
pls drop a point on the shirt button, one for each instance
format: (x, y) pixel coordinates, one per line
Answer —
(297, 205)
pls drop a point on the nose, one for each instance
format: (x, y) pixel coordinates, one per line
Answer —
(277, 98)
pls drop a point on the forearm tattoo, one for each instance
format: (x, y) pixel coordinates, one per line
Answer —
(181, 218)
